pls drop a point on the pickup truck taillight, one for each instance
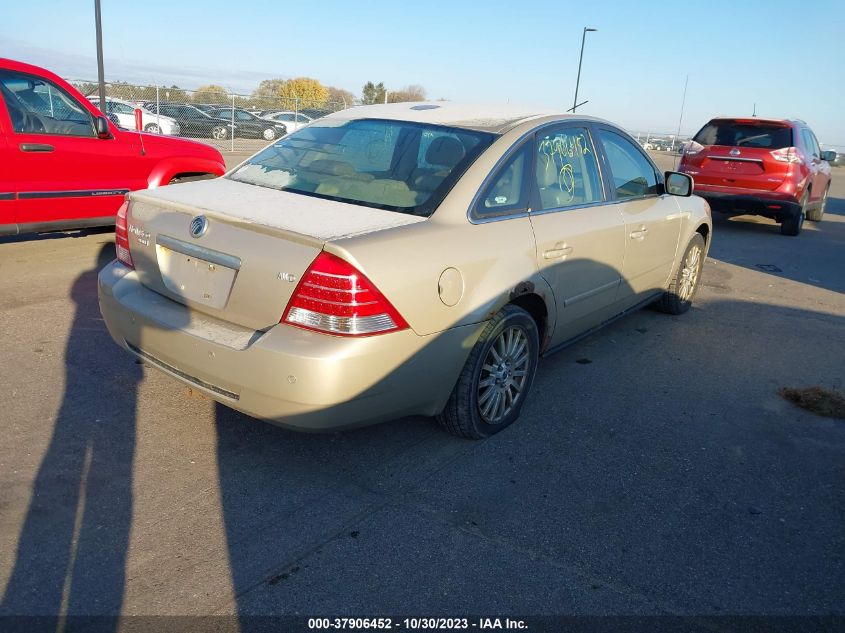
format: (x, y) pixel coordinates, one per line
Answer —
(336, 298)
(121, 236)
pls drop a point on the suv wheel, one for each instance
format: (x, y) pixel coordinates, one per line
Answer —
(792, 223)
(816, 214)
(495, 381)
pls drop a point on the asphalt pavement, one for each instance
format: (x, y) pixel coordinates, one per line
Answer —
(655, 469)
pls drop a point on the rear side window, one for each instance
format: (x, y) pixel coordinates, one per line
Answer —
(394, 165)
(745, 134)
(507, 192)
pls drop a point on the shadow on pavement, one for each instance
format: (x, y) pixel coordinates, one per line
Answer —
(71, 557)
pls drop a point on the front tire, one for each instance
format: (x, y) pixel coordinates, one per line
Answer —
(678, 298)
(152, 128)
(220, 133)
(496, 378)
(269, 134)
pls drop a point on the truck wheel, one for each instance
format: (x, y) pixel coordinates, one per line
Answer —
(495, 381)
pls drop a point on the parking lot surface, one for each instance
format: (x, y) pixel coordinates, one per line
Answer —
(655, 469)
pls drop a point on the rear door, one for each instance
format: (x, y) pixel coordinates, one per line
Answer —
(580, 236)
(652, 219)
(62, 170)
(819, 169)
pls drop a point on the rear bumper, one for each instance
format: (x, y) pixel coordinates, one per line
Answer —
(285, 375)
(773, 204)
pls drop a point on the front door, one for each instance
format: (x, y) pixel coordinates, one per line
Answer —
(580, 237)
(62, 170)
(652, 218)
(8, 190)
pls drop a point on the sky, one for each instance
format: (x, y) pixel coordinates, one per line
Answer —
(784, 58)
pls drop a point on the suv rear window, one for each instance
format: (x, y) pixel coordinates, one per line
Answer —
(737, 134)
(394, 165)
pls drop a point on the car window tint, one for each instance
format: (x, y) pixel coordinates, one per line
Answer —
(506, 192)
(242, 116)
(810, 143)
(744, 134)
(369, 162)
(37, 106)
(566, 171)
(633, 174)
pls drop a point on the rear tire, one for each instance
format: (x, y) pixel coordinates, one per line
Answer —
(220, 133)
(678, 297)
(269, 134)
(791, 225)
(152, 128)
(816, 214)
(496, 378)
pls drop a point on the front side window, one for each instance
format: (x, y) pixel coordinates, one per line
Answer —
(37, 106)
(567, 171)
(633, 174)
(370, 162)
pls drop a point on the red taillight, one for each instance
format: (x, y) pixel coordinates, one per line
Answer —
(787, 155)
(121, 236)
(693, 148)
(334, 297)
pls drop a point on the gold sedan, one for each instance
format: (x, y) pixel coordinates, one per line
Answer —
(407, 259)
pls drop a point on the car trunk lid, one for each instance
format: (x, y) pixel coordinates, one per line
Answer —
(249, 247)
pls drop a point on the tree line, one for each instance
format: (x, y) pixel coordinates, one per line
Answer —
(300, 93)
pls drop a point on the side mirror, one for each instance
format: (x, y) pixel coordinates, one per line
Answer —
(829, 155)
(103, 130)
(678, 184)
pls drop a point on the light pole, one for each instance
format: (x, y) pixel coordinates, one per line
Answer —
(100, 74)
(575, 103)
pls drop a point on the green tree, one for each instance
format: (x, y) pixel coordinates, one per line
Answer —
(211, 94)
(372, 93)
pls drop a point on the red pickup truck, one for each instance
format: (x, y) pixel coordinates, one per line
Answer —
(64, 165)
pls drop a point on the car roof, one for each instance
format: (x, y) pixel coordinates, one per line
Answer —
(484, 117)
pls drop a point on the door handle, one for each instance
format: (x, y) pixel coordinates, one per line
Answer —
(36, 147)
(560, 250)
(639, 234)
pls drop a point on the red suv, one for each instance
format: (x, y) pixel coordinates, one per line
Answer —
(760, 166)
(64, 165)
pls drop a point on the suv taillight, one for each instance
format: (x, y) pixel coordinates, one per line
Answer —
(335, 298)
(121, 236)
(693, 148)
(787, 155)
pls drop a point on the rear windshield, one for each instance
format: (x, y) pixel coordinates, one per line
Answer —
(736, 134)
(394, 165)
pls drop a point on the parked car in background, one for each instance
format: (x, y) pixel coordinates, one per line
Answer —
(405, 259)
(247, 125)
(65, 165)
(768, 167)
(291, 120)
(192, 121)
(124, 111)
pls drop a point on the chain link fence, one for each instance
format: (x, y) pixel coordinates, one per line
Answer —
(233, 123)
